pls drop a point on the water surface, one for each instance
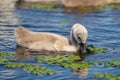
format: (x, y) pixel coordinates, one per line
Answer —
(103, 27)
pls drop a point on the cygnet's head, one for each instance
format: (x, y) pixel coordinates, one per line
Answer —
(79, 36)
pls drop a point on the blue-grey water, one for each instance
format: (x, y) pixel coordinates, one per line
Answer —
(103, 27)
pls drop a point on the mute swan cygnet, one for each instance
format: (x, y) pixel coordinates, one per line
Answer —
(52, 42)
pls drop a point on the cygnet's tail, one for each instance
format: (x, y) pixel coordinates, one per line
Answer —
(20, 33)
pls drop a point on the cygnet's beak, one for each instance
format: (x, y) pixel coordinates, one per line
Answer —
(82, 47)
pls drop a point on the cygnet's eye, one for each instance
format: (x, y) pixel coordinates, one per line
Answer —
(79, 38)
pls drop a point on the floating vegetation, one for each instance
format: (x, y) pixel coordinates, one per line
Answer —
(63, 21)
(5, 57)
(34, 69)
(115, 6)
(108, 76)
(67, 61)
(42, 6)
(113, 63)
(3, 54)
(92, 49)
(45, 6)
(71, 61)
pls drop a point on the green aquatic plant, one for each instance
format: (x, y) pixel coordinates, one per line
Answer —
(5, 57)
(113, 63)
(92, 49)
(63, 21)
(42, 6)
(34, 69)
(6, 54)
(6, 60)
(45, 6)
(115, 6)
(108, 76)
(71, 61)
(67, 61)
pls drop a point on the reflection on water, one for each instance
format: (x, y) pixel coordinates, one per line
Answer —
(8, 19)
(82, 73)
(7, 13)
(24, 54)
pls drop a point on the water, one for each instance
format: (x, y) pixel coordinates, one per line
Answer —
(103, 27)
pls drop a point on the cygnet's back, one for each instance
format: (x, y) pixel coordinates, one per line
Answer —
(42, 40)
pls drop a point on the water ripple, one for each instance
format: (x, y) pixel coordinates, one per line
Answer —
(103, 28)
